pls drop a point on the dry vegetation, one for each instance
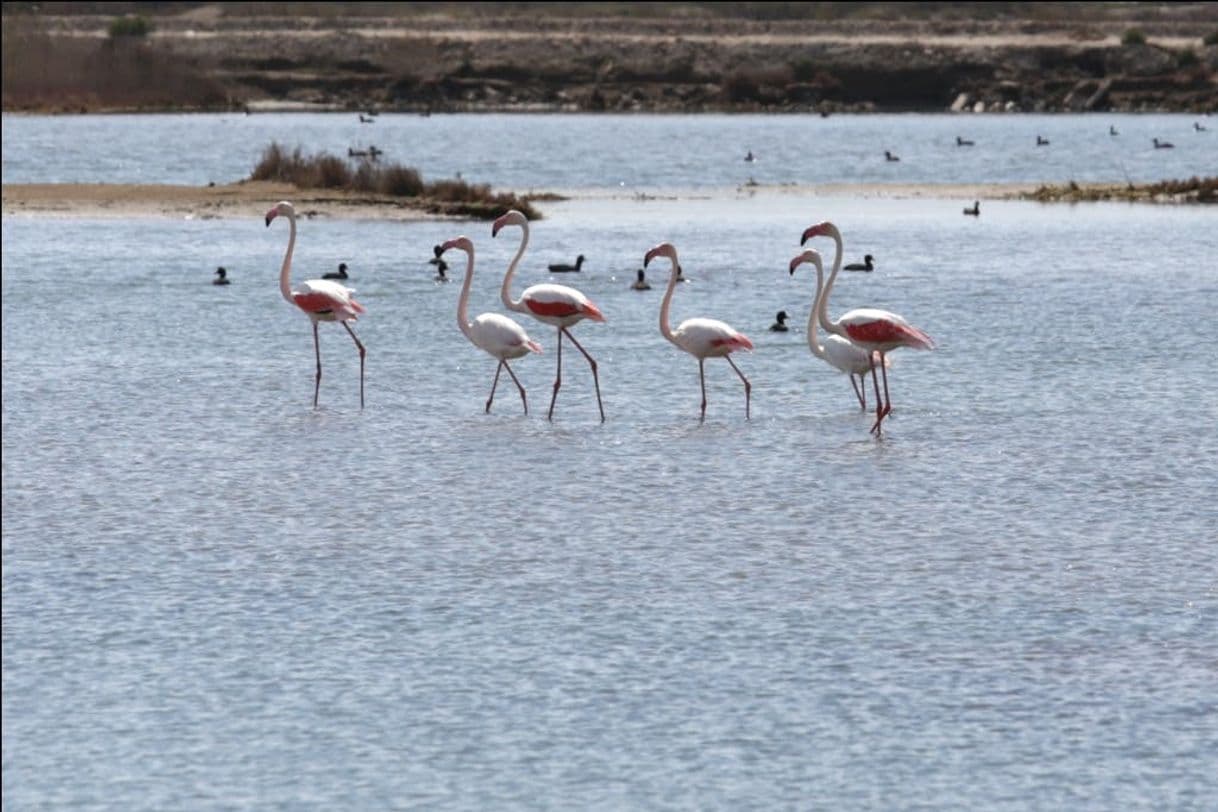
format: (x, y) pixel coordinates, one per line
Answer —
(1193, 190)
(446, 197)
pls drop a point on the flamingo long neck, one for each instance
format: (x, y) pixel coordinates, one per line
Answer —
(665, 330)
(463, 301)
(814, 344)
(285, 286)
(505, 292)
(823, 310)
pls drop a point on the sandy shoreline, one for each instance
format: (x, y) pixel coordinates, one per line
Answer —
(252, 198)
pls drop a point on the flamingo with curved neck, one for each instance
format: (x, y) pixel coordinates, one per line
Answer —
(875, 330)
(557, 305)
(319, 299)
(700, 337)
(497, 335)
(838, 352)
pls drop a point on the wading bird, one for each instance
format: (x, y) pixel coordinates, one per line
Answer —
(319, 299)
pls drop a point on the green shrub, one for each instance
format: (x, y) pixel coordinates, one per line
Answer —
(1187, 59)
(130, 26)
(1133, 36)
(1211, 38)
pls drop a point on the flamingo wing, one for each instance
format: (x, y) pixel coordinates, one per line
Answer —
(501, 337)
(869, 326)
(560, 302)
(322, 297)
(707, 338)
(846, 356)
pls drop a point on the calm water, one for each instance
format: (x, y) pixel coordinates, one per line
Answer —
(574, 152)
(216, 597)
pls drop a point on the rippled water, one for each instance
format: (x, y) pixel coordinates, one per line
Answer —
(215, 596)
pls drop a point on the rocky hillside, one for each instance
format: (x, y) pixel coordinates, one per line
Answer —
(686, 57)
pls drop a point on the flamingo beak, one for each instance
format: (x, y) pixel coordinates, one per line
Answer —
(810, 232)
(270, 217)
(795, 263)
(438, 249)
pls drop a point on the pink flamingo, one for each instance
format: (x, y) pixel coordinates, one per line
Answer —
(498, 335)
(701, 338)
(836, 351)
(558, 305)
(320, 299)
(874, 330)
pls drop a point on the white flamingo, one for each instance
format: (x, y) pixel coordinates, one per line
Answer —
(320, 299)
(558, 305)
(702, 338)
(836, 351)
(872, 329)
(498, 335)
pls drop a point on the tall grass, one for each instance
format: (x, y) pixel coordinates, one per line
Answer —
(325, 171)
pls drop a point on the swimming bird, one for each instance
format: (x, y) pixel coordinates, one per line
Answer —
(557, 305)
(888, 156)
(780, 322)
(441, 269)
(963, 142)
(640, 283)
(975, 210)
(865, 265)
(356, 153)
(749, 157)
(497, 335)
(700, 337)
(1198, 126)
(319, 299)
(872, 329)
(1112, 130)
(221, 277)
(366, 119)
(1042, 142)
(562, 267)
(1163, 144)
(838, 352)
(341, 273)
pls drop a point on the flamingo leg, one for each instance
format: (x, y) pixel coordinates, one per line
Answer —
(748, 387)
(317, 352)
(861, 394)
(523, 399)
(879, 404)
(702, 378)
(592, 363)
(362, 353)
(884, 372)
(557, 376)
(493, 385)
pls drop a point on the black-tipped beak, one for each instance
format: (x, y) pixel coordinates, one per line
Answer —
(438, 249)
(268, 219)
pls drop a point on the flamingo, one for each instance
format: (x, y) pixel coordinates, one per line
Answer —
(836, 351)
(498, 335)
(558, 305)
(320, 299)
(702, 338)
(872, 329)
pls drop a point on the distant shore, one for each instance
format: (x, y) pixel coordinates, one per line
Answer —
(252, 198)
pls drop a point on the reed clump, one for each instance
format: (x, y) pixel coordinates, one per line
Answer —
(1191, 190)
(371, 176)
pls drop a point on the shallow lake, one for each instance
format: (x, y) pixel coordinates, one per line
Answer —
(216, 596)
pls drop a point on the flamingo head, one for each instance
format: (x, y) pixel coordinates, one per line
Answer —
(664, 249)
(511, 218)
(808, 255)
(825, 229)
(463, 243)
(282, 207)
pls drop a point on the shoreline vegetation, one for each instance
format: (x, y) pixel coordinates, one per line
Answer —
(823, 57)
(249, 198)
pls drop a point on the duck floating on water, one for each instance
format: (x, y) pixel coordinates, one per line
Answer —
(865, 265)
(221, 277)
(562, 267)
(341, 273)
(975, 211)
(780, 322)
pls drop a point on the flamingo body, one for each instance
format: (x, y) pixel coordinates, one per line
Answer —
(557, 305)
(495, 334)
(700, 337)
(319, 299)
(875, 330)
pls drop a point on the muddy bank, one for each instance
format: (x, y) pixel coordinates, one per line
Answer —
(678, 58)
